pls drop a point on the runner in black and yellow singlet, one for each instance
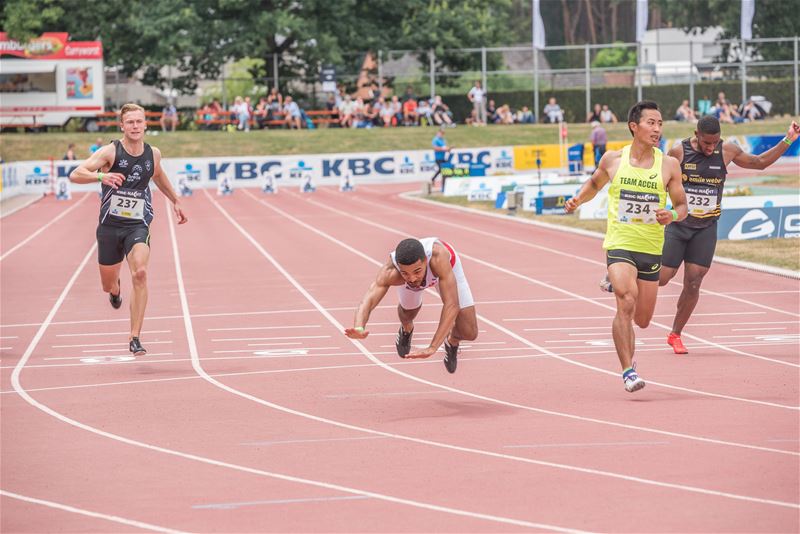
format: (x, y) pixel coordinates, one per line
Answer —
(640, 178)
(704, 160)
(125, 168)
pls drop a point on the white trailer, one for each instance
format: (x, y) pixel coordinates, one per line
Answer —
(50, 80)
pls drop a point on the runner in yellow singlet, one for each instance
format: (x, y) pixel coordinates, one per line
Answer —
(641, 177)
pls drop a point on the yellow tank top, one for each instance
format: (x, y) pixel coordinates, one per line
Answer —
(633, 198)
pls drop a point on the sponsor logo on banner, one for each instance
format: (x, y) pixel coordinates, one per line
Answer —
(407, 166)
(483, 192)
(299, 170)
(37, 177)
(504, 161)
(189, 173)
(759, 223)
(428, 164)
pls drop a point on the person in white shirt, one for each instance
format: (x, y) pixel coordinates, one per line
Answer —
(477, 96)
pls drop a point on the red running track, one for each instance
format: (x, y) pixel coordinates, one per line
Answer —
(253, 413)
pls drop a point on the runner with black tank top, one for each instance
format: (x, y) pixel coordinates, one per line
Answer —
(704, 160)
(125, 168)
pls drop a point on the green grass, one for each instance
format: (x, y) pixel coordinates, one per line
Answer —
(38, 146)
(783, 253)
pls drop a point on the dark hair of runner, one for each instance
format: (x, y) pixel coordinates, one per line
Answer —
(409, 251)
(708, 125)
(635, 113)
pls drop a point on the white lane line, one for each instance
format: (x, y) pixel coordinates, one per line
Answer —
(606, 444)
(278, 344)
(200, 371)
(295, 441)
(88, 513)
(385, 394)
(542, 284)
(370, 356)
(235, 505)
(221, 340)
(579, 297)
(6, 348)
(397, 323)
(9, 337)
(124, 348)
(759, 329)
(117, 344)
(44, 227)
(284, 327)
(102, 356)
(126, 332)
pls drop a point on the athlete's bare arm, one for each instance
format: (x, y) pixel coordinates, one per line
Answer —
(677, 151)
(734, 153)
(671, 170)
(448, 290)
(608, 166)
(161, 180)
(387, 277)
(87, 172)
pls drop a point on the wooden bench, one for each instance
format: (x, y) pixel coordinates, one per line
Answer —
(111, 119)
(318, 116)
(324, 116)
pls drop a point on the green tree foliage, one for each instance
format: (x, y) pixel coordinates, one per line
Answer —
(197, 37)
(773, 18)
(618, 56)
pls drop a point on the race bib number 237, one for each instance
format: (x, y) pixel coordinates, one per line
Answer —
(127, 203)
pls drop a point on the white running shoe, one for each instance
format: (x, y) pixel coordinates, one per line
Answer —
(633, 381)
(605, 284)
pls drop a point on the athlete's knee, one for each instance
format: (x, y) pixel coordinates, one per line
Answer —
(469, 332)
(139, 276)
(693, 282)
(642, 322)
(108, 287)
(626, 303)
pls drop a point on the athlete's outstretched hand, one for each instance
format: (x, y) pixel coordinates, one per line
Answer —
(794, 131)
(355, 333)
(571, 205)
(663, 216)
(182, 218)
(423, 353)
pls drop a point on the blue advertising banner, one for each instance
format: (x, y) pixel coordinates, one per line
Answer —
(759, 223)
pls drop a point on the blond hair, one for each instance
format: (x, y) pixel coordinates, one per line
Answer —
(127, 108)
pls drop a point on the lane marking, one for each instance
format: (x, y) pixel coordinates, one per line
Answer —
(549, 286)
(44, 227)
(193, 351)
(267, 338)
(579, 297)
(235, 505)
(384, 394)
(81, 358)
(360, 346)
(88, 513)
(261, 328)
(759, 329)
(602, 444)
(122, 345)
(113, 333)
(320, 440)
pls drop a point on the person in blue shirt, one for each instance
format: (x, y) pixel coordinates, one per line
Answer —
(440, 150)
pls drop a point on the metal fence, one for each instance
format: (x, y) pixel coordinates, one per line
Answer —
(522, 68)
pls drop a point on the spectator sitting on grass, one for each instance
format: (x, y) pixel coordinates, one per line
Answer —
(410, 115)
(98, 144)
(504, 115)
(441, 113)
(70, 154)
(424, 112)
(169, 117)
(388, 113)
(553, 112)
(491, 112)
(346, 107)
(684, 113)
(595, 114)
(524, 116)
(606, 115)
(274, 103)
(260, 113)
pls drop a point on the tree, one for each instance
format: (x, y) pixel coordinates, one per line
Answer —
(198, 37)
(772, 19)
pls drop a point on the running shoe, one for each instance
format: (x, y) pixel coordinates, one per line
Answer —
(116, 300)
(674, 341)
(403, 342)
(136, 347)
(632, 380)
(605, 284)
(450, 357)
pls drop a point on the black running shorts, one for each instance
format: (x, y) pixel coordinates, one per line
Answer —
(115, 242)
(647, 265)
(692, 245)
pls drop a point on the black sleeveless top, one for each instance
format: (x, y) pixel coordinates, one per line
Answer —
(122, 207)
(703, 180)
